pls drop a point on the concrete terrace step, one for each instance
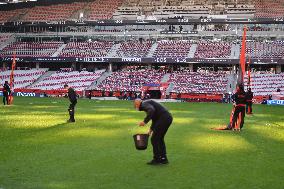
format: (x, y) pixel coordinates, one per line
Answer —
(192, 51)
(152, 50)
(170, 88)
(12, 39)
(41, 78)
(59, 50)
(113, 50)
(99, 80)
(165, 78)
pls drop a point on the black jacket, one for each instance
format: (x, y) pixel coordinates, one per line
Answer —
(6, 89)
(72, 95)
(240, 98)
(154, 110)
(249, 96)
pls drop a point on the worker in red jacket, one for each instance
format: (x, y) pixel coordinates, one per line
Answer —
(238, 114)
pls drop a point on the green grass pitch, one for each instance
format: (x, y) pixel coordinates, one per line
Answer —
(39, 150)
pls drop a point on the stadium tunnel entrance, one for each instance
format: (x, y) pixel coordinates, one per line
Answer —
(155, 90)
(155, 94)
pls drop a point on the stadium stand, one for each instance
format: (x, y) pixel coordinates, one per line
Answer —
(103, 9)
(269, 9)
(269, 49)
(77, 80)
(165, 48)
(31, 49)
(263, 84)
(146, 9)
(198, 82)
(170, 49)
(134, 49)
(4, 38)
(22, 78)
(59, 12)
(130, 80)
(213, 50)
(86, 49)
(12, 15)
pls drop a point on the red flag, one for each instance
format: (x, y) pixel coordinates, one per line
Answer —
(12, 79)
(243, 57)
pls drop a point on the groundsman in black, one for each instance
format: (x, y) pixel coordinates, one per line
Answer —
(161, 121)
(73, 100)
(6, 93)
(249, 97)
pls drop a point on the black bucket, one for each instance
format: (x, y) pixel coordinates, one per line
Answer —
(141, 141)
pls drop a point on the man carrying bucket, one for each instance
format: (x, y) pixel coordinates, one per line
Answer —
(161, 121)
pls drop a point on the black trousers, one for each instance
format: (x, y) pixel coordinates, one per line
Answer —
(249, 107)
(71, 110)
(239, 113)
(5, 98)
(160, 128)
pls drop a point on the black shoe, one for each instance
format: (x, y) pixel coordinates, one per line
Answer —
(154, 162)
(164, 161)
(70, 121)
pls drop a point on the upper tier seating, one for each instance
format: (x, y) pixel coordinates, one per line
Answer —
(22, 78)
(59, 12)
(86, 49)
(198, 82)
(103, 9)
(7, 16)
(31, 49)
(269, 8)
(77, 80)
(131, 9)
(213, 50)
(130, 80)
